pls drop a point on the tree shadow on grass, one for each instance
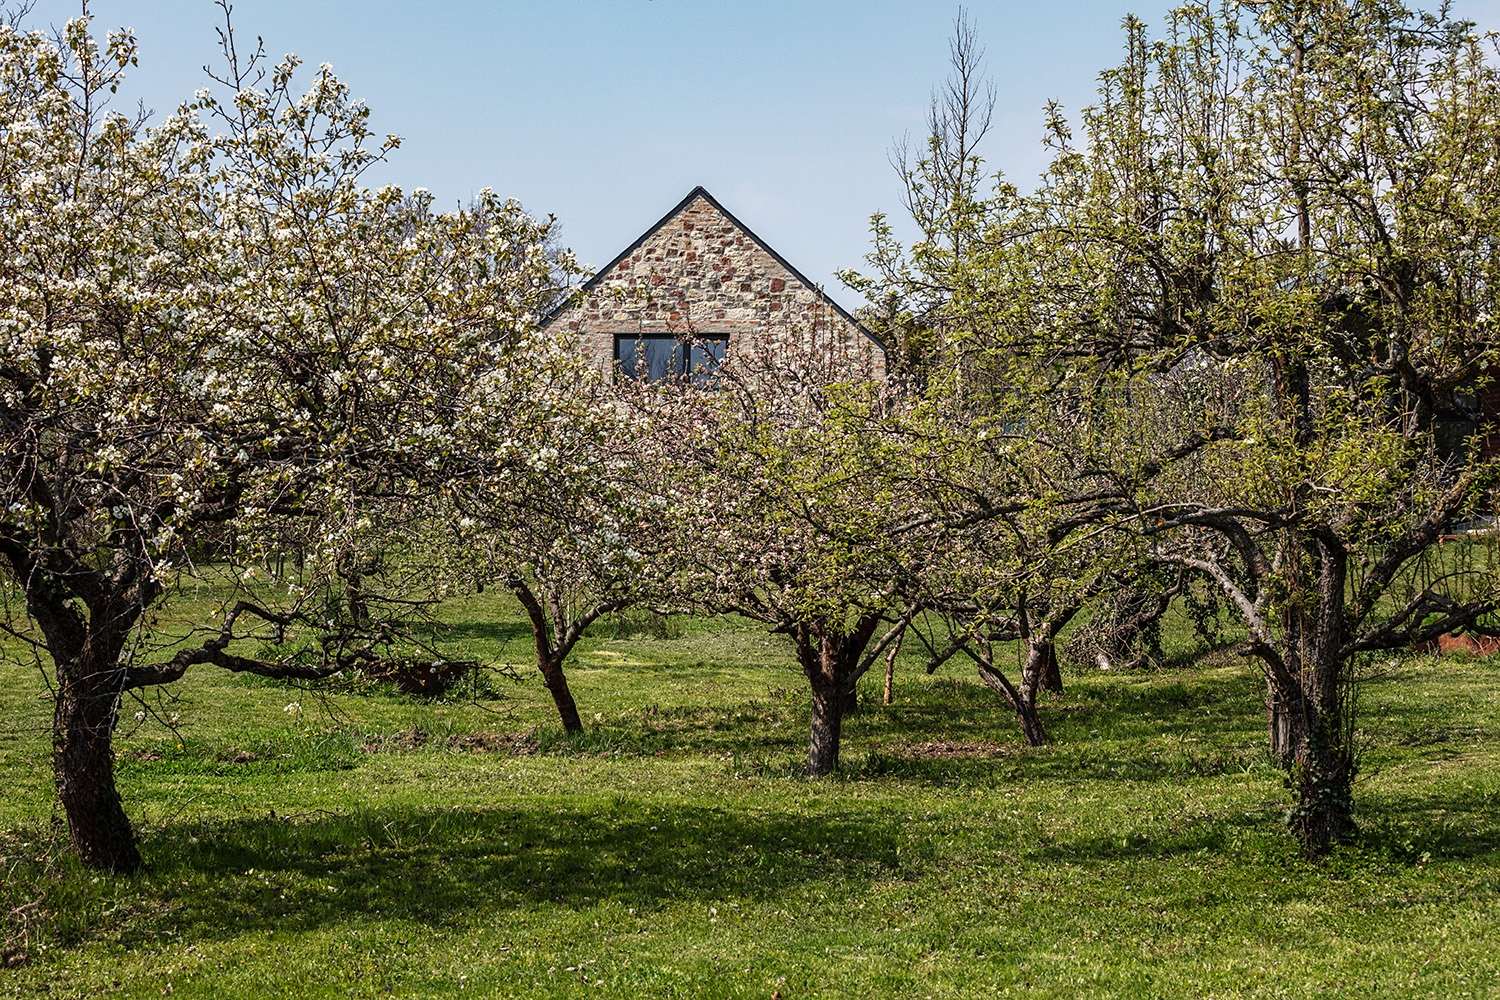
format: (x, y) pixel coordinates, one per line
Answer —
(1203, 837)
(453, 866)
(450, 867)
(1127, 705)
(500, 633)
(1016, 764)
(1414, 830)
(1442, 825)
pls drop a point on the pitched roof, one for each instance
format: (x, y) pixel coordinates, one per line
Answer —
(701, 192)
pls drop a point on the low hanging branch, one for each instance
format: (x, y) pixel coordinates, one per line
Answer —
(215, 652)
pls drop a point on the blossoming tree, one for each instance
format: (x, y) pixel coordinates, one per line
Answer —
(218, 348)
(784, 504)
(551, 502)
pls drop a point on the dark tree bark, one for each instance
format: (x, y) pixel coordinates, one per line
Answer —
(1323, 753)
(83, 764)
(850, 699)
(554, 638)
(359, 609)
(90, 679)
(556, 683)
(1023, 705)
(1315, 727)
(1307, 665)
(1039, 670)
(1323, 772)
(827, 726)
(1051, 679)
(86, 617)
(832, 661)
(1279, 722)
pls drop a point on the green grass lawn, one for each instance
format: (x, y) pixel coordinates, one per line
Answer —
(374, 846)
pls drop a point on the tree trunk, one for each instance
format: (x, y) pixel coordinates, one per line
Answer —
(1022, 701)
(1039, 671)
(1322, 764)
(830, 661)
(1041, 658)
(1032, 729)
(1051, 674)
(827, 721)
(1324, 777)
(550, 653)
(890, 668)
(83, 766)
(1279, 723)
(359, 611)
(850, 700)
(557, 682)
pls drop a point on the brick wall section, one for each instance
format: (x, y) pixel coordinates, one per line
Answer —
(698, 273)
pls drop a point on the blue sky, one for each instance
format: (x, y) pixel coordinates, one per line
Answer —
(606, 112)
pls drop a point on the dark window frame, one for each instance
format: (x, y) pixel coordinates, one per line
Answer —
(682, 369)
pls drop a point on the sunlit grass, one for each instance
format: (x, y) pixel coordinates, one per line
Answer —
(358, 845)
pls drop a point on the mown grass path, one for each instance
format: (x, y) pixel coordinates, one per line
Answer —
(373, 846)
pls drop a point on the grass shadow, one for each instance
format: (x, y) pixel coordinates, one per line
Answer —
(454, 866)
(502, 633)
(1437, 825)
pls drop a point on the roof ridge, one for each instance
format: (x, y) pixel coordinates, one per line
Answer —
(703, 192)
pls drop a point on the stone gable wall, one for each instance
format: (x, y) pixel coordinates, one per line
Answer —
(699, 275)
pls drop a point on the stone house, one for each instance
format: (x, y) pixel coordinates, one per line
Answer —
(696, 287)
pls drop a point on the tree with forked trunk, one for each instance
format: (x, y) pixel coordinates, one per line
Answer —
(1035, 631)
(558, 507)
(787, 504)
(1009, 566)
(1293, 284)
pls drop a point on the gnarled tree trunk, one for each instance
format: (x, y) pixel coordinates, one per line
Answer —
(827, 726)
(556, 683)
(1023, 703)
(1051, 672)
(1308, 705)
(1323, 779)
(1039, 671)
(555, 637)
(90, 679)
(83, 763)
(1323, 753)
(830, 660)
(552, 649)
(850, 699)
(1279, 723)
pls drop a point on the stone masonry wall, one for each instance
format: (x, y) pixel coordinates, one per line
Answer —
(700, 274)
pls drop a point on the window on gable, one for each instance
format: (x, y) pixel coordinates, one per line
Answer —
(658, 358)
